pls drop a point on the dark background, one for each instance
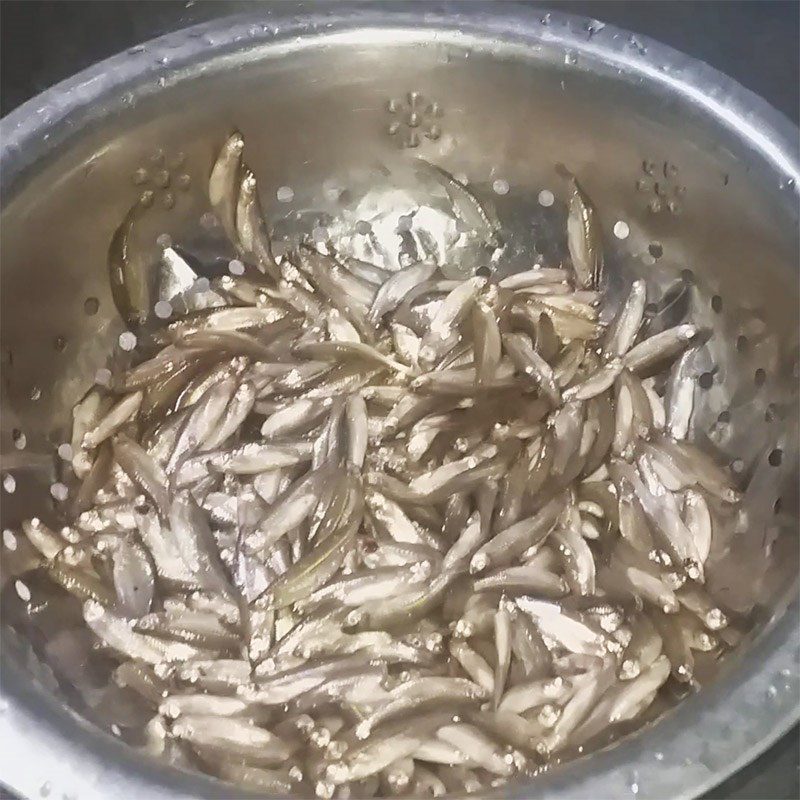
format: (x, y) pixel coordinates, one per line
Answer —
(756, 42)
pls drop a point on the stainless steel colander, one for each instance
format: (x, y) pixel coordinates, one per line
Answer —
(694, 180)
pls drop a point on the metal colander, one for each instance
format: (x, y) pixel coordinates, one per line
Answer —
(693, 179)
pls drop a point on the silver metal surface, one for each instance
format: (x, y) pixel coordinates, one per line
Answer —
(335, 104)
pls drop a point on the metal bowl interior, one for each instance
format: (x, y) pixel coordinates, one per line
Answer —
(336, 107)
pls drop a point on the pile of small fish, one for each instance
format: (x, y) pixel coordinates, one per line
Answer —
(356, 532)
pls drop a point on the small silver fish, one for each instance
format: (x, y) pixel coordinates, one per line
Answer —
(622, 332)
(223, 184)
(584, 238)
(395, 289)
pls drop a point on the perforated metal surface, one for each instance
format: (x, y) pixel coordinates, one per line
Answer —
(707, 202)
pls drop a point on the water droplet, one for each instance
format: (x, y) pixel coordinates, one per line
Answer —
(127, 340)
(19, 438)
(674, 207)
(140, 177)
(285, 194)
(139, 48)
(772, 692)
(158, 157)
(163, 309)
(413, 99)
(102, 377)
(393, 128)
(413, 139)
(9, 483)
(236, 267)
(621, 229)
(23, 592)
(639, 47)
(545, 20)
(60, 343)
(649, 167)
(433, 133)
(363, 227)
(654, 206)
(36, 393)
(594, 27)
(169, 200)
(413, 119)
(164, 241)
(65, 451)
(9, 539)
(161, 178)
(546, 198)
(570, 58)
(146, 199)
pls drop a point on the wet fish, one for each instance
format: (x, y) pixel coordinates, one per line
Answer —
(502, 548)
(251, 230)
(253, 458)
(532, 365)
(195, 542)
(130, 269)
(660, 347)
(584, 238)
(223, 183)
(298, 415)
(488, 347)
(289, 510)
(143, 470)
(465, 205)
(439, 338)
(134, 579)
(394, 290)
(622, 332)
(322, 351)
(350, 530)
